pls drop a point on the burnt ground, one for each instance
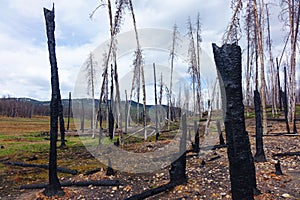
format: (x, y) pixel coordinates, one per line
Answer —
(208, 181)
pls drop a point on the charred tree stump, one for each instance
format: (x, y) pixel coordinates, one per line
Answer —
(178, 167)
(278, 168)
(54, 187)
(110, 170)
(241, 164)
(260, 154)
(221, 138)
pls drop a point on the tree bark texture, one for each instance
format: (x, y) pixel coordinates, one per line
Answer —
(54, 187)
(241, 164)
(260, 154)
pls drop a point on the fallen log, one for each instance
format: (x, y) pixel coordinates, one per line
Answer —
(219, 146)
(296, 153)
(93, 171)
(278, 134)
(59, 169)
(78, 184)
(149, 193)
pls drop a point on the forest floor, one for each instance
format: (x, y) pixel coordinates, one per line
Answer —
(205, 181)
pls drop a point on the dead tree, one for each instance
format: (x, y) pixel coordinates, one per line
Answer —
(61, 122)
(291, 17)
(259, 28)
(156, 111)
(54, 187)
(241, 163)
(260, 154)
(91, 64)
(221, 138)
(139, 64)
(285, 102)
(172, 54)
(272, 74)
(69, 111)
(178, 167)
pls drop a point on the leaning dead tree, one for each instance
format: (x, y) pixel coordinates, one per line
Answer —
(241, 164)
(54, 187)
(115, 25)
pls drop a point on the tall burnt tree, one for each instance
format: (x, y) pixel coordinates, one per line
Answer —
(54, 187)
(260, 154)
(241, 163)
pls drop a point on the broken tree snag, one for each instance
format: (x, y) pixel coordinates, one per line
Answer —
(54, 187)
(260, 154)
(278, 168)
(241, 164)
(221, 138)
(110, 170)
(178, 167)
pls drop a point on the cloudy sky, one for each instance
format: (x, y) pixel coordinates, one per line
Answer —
(24, 63)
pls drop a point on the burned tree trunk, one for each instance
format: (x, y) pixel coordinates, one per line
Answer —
(69, 111)
(178, 167)
(196, 145)
(285, 102)
(241, 164)
(61, 122)
(54, 187)
(221, 138)
(260, 154)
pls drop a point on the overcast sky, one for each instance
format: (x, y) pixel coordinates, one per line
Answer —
(24, 63)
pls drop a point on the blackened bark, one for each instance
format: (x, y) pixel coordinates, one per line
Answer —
(78, 184)
(110, 170)
(69, 111)
(221, 138)
(285, 106)
(61, 122)
(82, 116)
(241, 164)
(178, 167)
(54, 187)
(285, 102)
(279, 87)
(111, 122)
(260, 154)
(196, 145)
(278, 168)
